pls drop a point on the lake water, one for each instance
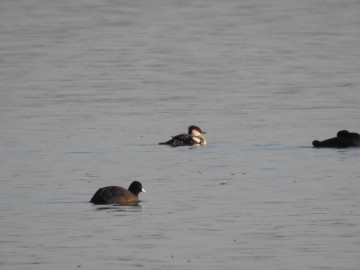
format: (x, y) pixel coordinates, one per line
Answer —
(88, 89)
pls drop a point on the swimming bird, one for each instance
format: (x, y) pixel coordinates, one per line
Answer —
(343, 139)
(193, 137)
(118, 195)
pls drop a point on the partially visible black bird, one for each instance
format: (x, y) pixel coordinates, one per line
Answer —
(343, 139)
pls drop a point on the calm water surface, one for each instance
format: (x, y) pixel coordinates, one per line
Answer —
(88, 89)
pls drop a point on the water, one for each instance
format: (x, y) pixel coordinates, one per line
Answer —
(88, 89)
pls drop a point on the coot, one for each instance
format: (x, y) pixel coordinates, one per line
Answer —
(118, 195)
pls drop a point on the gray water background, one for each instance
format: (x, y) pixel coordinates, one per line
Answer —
(88, 88)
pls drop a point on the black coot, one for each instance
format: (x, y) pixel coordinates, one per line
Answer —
(118, 195)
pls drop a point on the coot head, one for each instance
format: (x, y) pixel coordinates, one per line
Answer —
(136, 187)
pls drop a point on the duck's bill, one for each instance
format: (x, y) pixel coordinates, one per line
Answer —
(143, 190)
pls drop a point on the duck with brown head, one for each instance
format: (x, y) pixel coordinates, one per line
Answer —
(193, 137)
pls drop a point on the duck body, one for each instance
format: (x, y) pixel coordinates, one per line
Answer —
(118, 195)
(193, 137)
(181, 140)
(343, 139)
